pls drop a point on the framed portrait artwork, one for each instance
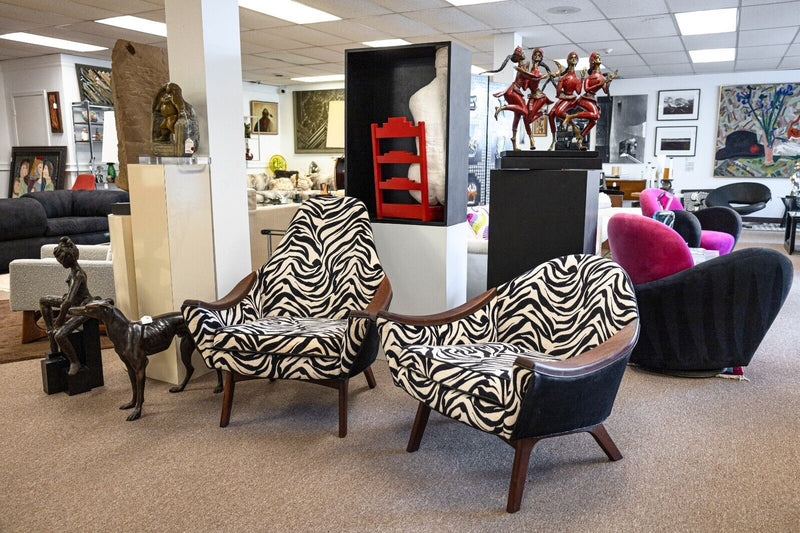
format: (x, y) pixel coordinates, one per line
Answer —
(264, 117)
(678, 105)
(54, 112)
(311, 120)
(94, 84)
(676, 141)
(36, 168)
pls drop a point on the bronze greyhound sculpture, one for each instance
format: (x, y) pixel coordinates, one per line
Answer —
(134, 341)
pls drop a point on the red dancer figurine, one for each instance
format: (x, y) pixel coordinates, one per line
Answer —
(588, 102)
(568, 91)
(537, 100)
(514, 95)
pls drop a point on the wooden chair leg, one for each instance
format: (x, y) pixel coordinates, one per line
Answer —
(519, 472)
(227, 399)
(604, 440)
(30, 330)
(370, 377)
(420, 421)
(343, 408)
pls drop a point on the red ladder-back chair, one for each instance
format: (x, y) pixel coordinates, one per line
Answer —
(398, 127)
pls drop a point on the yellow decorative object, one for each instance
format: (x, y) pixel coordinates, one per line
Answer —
(277, 162)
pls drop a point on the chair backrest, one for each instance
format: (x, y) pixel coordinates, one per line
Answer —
(652, 200)
(325, 266)
(565, 306)
(745, 192)
(83, 182)
(647, 249)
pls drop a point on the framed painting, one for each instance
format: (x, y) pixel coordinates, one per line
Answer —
(264, 117)
(311, 120)
(94, 84)
(54, 112)
(678, 105)
(36, 168)
(539, 127)
(758, 131)
(676, 141)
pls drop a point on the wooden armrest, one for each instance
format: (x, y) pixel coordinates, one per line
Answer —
(236, 295)
(446, 317)
(380, 301)
(271, 231)
(619, 345)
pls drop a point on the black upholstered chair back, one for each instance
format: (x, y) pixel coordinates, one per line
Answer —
(744, 197)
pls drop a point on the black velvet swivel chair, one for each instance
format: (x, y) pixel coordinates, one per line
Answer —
(744, 197)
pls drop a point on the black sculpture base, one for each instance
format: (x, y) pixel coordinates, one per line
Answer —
(551, 160)
(87, 346)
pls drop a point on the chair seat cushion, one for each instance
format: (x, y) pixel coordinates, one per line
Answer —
(309, 337)
(717, 240)
(482, 370)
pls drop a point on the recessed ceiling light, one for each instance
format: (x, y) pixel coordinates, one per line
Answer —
(52, 42)
(288, 10)
(471, 2)
(136, 24)
(386, 42)
(320, 79)
(583, 63)
(703, 22)
(563, 10)
(712, 55)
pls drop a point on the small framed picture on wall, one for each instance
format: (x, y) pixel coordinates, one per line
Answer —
(264, 117)
(676, 141)
(678, 105)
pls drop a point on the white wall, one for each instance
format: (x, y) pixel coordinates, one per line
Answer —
(5, 138)
(701, 175)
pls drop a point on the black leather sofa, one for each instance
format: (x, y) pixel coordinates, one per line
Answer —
(40, 218)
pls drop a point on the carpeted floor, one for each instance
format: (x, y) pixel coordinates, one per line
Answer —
(700, 455)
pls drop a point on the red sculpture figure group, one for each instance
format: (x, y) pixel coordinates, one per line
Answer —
(576, 95)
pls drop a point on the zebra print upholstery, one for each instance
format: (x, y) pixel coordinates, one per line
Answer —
(295, 321)
(467, 369)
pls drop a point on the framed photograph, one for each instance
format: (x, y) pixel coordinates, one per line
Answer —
(36, 168)
(311, 120)
(676, 141)
(94, 84)
(678, 105)
(539, 127)
(54, 111)
(757, 131)
(264, 117)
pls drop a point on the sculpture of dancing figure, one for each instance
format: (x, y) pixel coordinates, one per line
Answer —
(568, 91)
(587, 101)
(537, 100)
(515, 95)
(60, 326)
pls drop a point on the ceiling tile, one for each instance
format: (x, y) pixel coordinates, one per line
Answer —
(764, 37)
(794, 50)
(760, 2)
(270, 41)
(706, 68)
(624, 8)
(448, 20)
(66, 7)
(401, 6)
(618, 48)
(646, 27)
(759, 17)
(253, 62)
(307, 35)
(660, 44)
(341, 48)
(588, 11)
(665, 58)
(757, 64)
(126, 7)
(34, 15)
(790, 62)
(561, 51)
(348, 9)
(84, 30)
(351, 31)
(322, 54)
(761, 52)
(681, 6)
(714, 40)
(479, 40)
(599, 29)
(503, 15)
(330, 68)
(290, 57)
(635, 72)
(541, 36)
(623, 61)
(397, 25)
(672, 70)
(253, 20)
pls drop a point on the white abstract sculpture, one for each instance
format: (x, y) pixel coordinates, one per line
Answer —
(429, 105)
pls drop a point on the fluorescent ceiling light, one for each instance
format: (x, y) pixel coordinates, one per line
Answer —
(583, 63)
(475, 69)
(137, 24)
(711, 21)
(386, 42)
(52, 42)
(317, 79)
(288, 10)
(712, 55)
(471, 2)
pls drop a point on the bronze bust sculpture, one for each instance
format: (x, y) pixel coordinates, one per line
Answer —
(175, 131)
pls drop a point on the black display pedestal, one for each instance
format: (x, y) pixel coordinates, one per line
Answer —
(540, 212)
(87, 346)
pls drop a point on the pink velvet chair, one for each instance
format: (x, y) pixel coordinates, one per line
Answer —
(720, 226)
(647, 249)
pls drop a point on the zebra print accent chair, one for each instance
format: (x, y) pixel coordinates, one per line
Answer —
(540, 356)
(308, 313)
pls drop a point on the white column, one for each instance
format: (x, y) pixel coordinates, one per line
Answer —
(504, 44)
(205, 60)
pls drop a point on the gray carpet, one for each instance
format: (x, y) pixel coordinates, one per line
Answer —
(700, 455)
